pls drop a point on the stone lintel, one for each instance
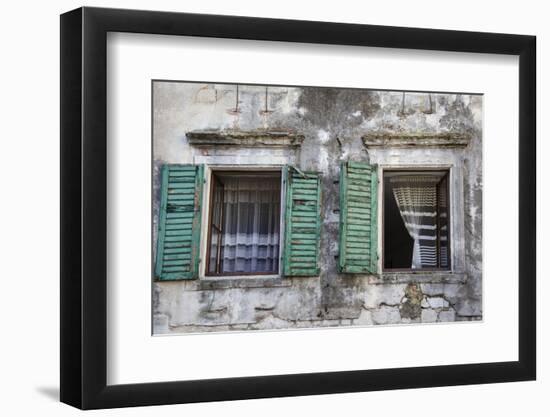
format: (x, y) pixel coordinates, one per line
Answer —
(412, 140)
(250, 138)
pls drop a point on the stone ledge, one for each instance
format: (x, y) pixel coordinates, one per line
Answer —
(250, 138)
(418, 277)
(406, 140)
(228, 282)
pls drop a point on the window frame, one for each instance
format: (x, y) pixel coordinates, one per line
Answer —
(210, 172)
(213, 180)
(381, 186)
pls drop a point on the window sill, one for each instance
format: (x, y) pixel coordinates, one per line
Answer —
(432, 277)
(243, 281)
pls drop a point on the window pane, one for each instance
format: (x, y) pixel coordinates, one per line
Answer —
(443, 226)
(398, 243)
(216, 226)
(415, 220)
(212, 264)
(249, 229)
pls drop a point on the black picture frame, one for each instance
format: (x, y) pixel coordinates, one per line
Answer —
(84, 207)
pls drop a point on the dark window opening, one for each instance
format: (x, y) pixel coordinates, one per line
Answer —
(243, 235)
(416, 220)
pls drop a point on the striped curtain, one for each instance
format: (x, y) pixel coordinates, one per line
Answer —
(443, 225)
(416, 197)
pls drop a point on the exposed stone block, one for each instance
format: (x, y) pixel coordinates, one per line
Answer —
(428, 316)
(468, 307)
(437, 302)
(160, 324)
(271, 322)
(376, 295)
(386, 315)
(364, 319)
(447, 315)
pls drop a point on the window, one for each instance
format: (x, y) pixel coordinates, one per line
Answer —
(416, 220)
(244, 224)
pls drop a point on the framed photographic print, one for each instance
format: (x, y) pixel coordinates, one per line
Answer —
(257, 208)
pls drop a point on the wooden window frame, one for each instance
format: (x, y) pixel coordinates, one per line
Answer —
(239, 171)
(447, 175)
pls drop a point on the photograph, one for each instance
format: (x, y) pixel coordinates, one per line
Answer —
(275, 209)
(266, 208)
(294, 207)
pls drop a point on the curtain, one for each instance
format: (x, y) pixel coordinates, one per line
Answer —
(443, 225)
(416, 198)
(250, 224)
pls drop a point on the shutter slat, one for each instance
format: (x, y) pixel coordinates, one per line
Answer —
(359, 244)
(305, 186)
(176, 221)
(178, 226)
(176, 229)
(182, 269)
(355, 250)
(304, 213)
(299, 195)
(304, 241)
(179, 262)
(358, 188)
(365, 205)
(175, 251)
(180, 215)
(308, 191)
(312, 248)
(302, 223)
(176, 256)
(183, 236)
(358, 218)
(175, 184)
(179, 222)
(300, 219)
(308, 253)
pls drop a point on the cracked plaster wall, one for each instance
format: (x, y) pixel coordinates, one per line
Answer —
(333, 122)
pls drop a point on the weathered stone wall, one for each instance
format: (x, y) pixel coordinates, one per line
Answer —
(333, 122)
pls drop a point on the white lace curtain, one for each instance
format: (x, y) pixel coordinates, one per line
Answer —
(416, 197)
(250, 225)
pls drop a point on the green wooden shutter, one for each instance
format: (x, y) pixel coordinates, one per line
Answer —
(302, 223)
(358, 218)
(179, 222)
